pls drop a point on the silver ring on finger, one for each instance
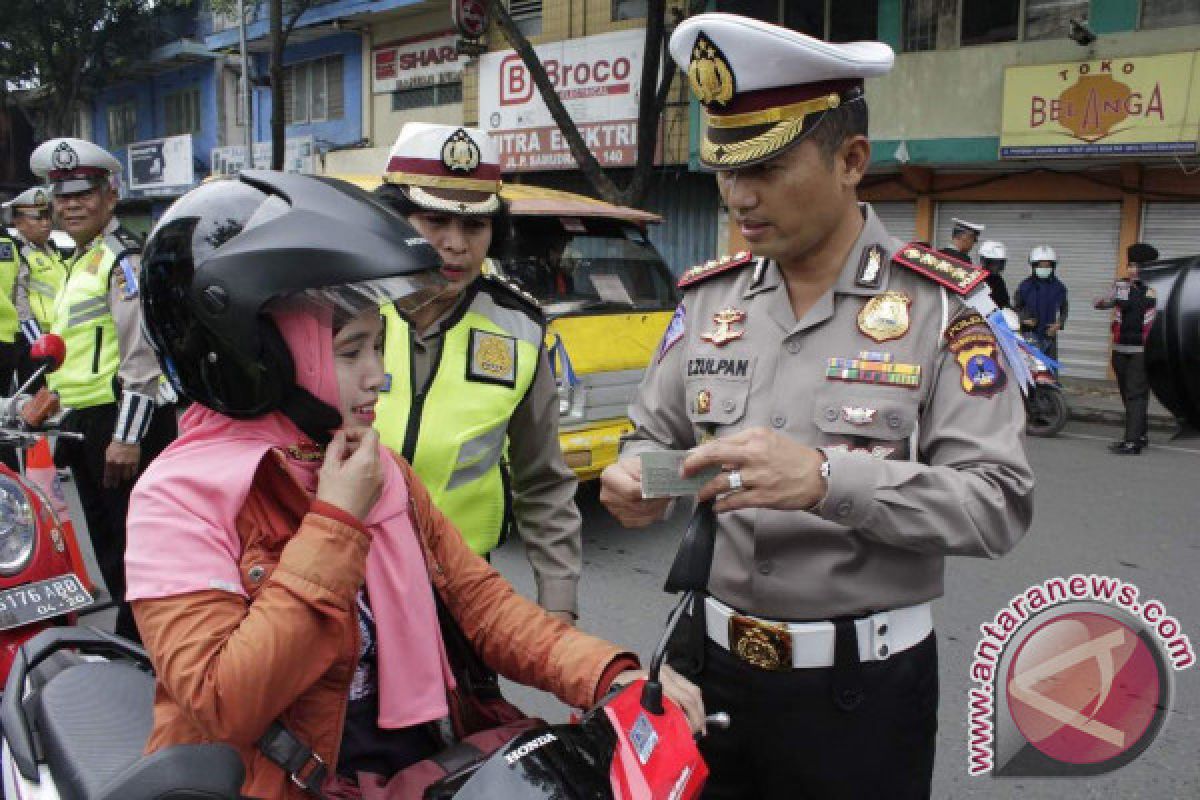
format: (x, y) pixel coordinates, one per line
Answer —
(735, 481)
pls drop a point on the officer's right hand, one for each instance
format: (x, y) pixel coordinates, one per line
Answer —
(351, 477)
(621, 494)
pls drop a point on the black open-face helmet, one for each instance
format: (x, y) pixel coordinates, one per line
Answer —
(229, 251)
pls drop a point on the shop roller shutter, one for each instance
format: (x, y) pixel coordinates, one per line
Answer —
(899, 217)
(1174, 228)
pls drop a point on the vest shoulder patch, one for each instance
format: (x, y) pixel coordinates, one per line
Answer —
(7, 251)
(959, 277)
(507, 293)
(714, 267)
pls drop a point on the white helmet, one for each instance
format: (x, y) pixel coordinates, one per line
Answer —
(993, 250)
(1043, 253)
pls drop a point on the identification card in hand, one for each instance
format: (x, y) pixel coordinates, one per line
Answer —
(660, 475)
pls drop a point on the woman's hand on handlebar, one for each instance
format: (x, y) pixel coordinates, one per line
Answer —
(679, 689)
(351, 477)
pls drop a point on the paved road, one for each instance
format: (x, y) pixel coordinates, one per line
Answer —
(1137, 519)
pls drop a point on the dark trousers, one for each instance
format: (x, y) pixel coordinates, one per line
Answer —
(1135, 392)
(105, 509)
(789, 741)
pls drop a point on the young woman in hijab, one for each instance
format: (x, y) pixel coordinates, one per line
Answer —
(282, 565)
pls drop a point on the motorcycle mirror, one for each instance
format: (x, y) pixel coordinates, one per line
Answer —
(689, 574)
(1173, 346)
(693, 559)
(48, 350)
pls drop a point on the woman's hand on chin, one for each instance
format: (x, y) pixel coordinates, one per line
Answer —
(351, 477)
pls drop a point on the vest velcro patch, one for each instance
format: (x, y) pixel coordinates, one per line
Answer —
(492, 358)
(7, 252)
(957, 276)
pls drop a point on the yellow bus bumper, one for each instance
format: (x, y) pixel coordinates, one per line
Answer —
(588, 450)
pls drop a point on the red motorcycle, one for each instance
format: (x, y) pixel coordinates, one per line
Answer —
(43, 580)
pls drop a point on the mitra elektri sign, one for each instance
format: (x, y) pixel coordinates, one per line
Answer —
(598, 79)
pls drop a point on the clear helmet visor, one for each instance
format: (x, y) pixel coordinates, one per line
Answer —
(409, 294)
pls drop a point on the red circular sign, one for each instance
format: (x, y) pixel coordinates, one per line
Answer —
(1084, 688)
(471, 17)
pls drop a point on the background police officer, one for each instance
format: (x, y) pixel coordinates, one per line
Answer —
(963, 237)
(471, 401)
(861, 418)
(993, 257)
(110, 379)
(41, 271)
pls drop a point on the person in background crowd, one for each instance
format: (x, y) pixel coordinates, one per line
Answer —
(992, 257)
(42, 271)
(963, 237)
(471, 400)
(1041, 300)
(110, 379)
(1135, 307)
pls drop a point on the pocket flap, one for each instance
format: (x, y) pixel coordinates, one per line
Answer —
(874, 413)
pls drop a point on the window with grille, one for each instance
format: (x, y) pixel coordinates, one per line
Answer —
(527, 14)
(1051, 19)
(438, 95)
(929, 24)
(1170, 13)
(122, 124)
(988, 21)
(182, 112)
(313, 91)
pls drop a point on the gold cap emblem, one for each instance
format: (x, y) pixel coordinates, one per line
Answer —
(460, 153)
(709, 73)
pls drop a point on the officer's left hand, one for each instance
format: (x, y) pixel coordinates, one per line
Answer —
(777, 472)
(1052, 329)
(120, 463)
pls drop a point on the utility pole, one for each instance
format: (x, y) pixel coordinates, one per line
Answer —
(244, 96)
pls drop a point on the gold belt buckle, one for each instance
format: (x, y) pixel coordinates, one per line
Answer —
(766, 645)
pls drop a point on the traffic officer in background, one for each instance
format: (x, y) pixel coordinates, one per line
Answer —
(10, 266)
(861, 418)
(470, 399)
(963, 237)
(110, 379)
(1136, 305)
(993, 256)
(41, 271)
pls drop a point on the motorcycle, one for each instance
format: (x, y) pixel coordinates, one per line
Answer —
(42, 576)
(1046, 410)
(77, 710)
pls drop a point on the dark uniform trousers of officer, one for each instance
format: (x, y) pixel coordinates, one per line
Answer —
(106, 508)
(1129, 358)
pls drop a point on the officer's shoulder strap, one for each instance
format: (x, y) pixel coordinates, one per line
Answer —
(122, 242)
(714, 267)
(509, 295)
(958, 276)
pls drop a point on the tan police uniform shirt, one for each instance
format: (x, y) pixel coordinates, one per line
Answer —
(917, 472)
(543, 486)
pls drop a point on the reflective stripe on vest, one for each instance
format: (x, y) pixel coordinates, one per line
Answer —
(84, 321)
(10, 261)
(487, 363)
(46, 275)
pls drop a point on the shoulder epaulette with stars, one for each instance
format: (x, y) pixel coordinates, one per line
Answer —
(702, 272)
(959, 277)
(510, 288)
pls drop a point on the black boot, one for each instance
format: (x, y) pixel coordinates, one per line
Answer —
(1127, 449)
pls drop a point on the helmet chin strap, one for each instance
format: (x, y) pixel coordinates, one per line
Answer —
(315, 418)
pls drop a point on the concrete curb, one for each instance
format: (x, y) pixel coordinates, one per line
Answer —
(1082, 411)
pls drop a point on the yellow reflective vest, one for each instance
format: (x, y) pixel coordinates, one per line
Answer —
(10, 262)
(83, 319)
(46, 275)
(454, 430)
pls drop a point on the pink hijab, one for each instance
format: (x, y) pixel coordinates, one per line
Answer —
(182, 535)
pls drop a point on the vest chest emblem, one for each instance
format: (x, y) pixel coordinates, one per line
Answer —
(492, 358)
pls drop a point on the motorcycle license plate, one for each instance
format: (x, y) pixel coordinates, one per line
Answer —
(22, 605)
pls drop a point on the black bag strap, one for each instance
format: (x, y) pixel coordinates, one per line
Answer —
(473, 676)
(305, 768)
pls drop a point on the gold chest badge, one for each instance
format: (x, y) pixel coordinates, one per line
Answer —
(724, 333)
(885, 316)
(492, 358)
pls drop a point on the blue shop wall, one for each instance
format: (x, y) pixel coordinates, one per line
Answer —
(148, 96)
(346, 130)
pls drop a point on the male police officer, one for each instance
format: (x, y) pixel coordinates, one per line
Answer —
(110, 379)
(42, 271)
(963, 237)
(10, 266)
(862, 419)
(471, 400)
